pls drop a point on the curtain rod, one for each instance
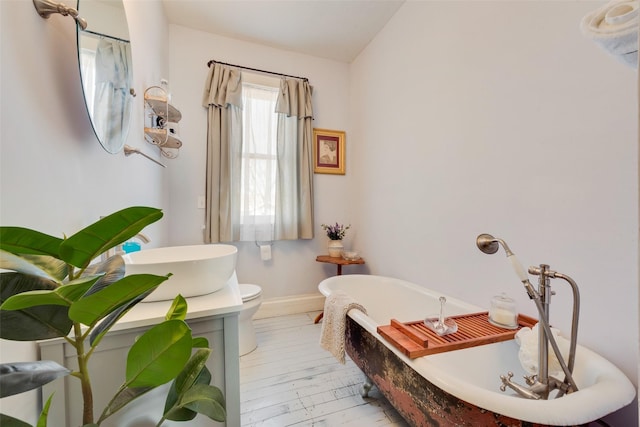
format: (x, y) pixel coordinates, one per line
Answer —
(255, 69)
(94, 33)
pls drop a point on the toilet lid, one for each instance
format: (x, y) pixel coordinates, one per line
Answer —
(249, 292)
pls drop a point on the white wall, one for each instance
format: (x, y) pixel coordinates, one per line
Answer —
(500, 117)
(293, 269)
(497, 117)
(54, 175)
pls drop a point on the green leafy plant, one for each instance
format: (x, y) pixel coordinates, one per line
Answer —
(54, 287)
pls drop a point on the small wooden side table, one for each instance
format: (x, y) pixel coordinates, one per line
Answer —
(339, 261)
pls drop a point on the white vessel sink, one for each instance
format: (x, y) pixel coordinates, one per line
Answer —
(197, 270)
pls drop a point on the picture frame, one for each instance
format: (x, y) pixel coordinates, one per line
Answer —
(329, 151)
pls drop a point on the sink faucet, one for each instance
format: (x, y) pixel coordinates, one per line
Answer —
(143, 238)
(118, 249)
(540, 385)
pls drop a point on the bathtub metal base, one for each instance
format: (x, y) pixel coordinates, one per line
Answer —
(366, 387)
(418, 401)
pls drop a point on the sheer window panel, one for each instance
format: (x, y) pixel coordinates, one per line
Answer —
(259, 161)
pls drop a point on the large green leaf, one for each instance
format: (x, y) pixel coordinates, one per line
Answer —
(203, 378)
(207, 400)
(14, 283)
(111, 270)
(42, 420)
(57, 269)
(200, 342)
(179, 413)
(19, 377)
(175, 409)
(178, 309)
(126, 395)
(35, 265)
(194, 372)
(159, 354)
(89, 310)
(99, 331)
(37, 323)
(122, 399)
(75, 289)
(33, 299)
(20, 240)
(82, 247)
(64, 295)
(7, 421)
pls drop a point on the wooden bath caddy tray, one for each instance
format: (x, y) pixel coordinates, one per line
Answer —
(414, 339)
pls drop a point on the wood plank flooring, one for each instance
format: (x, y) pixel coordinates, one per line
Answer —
(290, 381)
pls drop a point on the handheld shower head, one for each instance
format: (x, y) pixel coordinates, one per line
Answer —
(489, 245)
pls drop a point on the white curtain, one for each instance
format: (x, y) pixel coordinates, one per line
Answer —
(223, 99)
(112, 102)
(294, 182)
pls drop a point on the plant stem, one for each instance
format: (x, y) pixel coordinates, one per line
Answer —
(85, 380)
(83, 359)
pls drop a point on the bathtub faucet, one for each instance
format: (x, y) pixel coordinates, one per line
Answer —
(540, 385)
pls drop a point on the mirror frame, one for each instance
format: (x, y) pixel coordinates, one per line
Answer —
(110, 123)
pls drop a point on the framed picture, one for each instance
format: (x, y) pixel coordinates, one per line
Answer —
(328, 151)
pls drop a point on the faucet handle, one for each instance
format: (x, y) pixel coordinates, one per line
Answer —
(505, 380)
(530, 379)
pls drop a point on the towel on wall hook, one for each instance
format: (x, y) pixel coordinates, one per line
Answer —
(614, 27)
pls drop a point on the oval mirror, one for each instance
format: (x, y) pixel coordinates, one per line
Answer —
(104, 53)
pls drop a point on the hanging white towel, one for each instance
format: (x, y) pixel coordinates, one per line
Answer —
(332, 334)
(614, 27)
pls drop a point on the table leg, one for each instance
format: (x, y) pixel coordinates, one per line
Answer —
(319, 316)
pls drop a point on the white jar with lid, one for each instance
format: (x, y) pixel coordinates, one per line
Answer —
(503, 312)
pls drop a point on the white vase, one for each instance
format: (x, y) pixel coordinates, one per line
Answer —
(335, 248)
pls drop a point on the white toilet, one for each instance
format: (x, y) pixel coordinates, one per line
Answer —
(251, 300)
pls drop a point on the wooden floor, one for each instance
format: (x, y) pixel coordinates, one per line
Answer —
(290, 381)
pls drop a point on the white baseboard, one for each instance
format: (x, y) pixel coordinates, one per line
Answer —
(290, 305)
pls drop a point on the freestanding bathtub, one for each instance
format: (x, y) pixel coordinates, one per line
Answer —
(462, 387)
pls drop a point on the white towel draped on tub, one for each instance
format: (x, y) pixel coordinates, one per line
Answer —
(615, 28)
(336, 307)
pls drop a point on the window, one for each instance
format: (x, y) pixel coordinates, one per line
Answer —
(259, 157)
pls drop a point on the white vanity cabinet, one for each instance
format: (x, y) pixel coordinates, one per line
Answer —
(213, 316)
